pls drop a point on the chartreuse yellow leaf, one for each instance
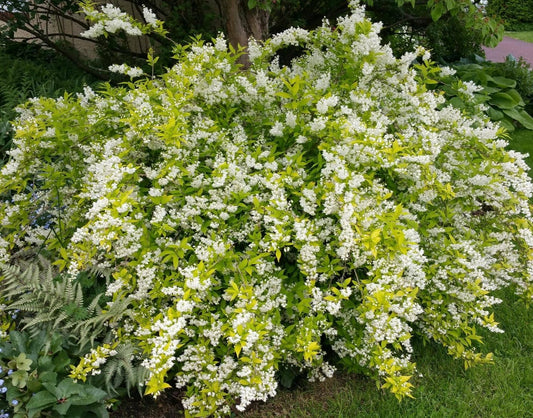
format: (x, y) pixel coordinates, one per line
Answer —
(311, 350)
(156, 384)
(278, 254)
(238, 348)
(399, 386)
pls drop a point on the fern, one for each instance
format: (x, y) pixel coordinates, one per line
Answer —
(119, 370)
(57, 303)
(87, 330)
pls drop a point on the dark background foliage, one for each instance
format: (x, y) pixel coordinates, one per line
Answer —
(517, 14)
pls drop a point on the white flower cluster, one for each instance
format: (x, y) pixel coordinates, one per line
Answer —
(110, 20)
(132, 72)
(256, 219)
(150, 17)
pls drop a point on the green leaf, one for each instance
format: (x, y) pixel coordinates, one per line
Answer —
(18, 340)
(494, 114)
(503, 101)
(480, 77)
(457, 103)
(490, 90)
(48, 377)
(66, 388)
(7, 350)
(36, 343)
(437, 11)
(41, 400)
(507, 124)
(287, 376)
(62, 407)
(34, 385)
(283, 95)
(80, 411)
(45, 363)
(516, 96)
(502, 82)
(88, 395)
(100, 411)
(521, 116)
(61, 361)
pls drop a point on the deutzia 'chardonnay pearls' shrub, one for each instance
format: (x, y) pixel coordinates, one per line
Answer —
(304, 216)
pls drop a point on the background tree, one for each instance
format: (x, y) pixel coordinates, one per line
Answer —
(57, 24)
(517, 14)
(451, 28)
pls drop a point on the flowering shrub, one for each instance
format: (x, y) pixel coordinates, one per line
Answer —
(290, 216)
(110, 19)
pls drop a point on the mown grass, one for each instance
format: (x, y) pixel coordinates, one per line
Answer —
(523, 36)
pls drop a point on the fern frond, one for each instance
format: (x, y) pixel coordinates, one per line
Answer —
(34, 323)
(85, 329)
(56, 303)
(99, 271)
(91, 309)
(78, 294)
(120, 370)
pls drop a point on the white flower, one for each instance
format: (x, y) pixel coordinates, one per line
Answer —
(277, 129)
(447, 71)
(116, 68)
(325, 103)
(318, 124)
(94, 31)
(134, 72)
(150, 17)
(469, 88)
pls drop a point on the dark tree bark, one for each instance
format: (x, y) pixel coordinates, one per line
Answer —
(242, 23)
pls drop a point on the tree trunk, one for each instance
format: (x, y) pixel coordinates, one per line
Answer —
(242, 23)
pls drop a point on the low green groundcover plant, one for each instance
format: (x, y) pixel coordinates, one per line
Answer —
(242, 224)
(504, 104)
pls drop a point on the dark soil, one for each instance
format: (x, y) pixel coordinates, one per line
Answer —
(167, 405)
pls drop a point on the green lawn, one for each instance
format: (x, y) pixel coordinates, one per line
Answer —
(523, 36)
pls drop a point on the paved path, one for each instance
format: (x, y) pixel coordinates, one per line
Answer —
(510, 46)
